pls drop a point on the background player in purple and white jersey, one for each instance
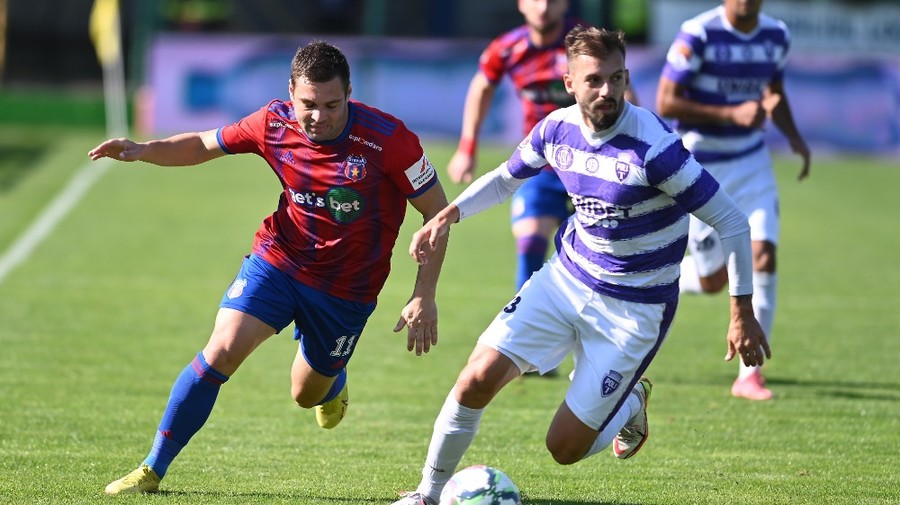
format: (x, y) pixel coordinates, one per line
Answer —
(609, 293)
(534, 58)
(347, 171)
(722, 79)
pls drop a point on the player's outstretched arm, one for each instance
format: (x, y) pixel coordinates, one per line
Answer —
(420, 315)
(780, 111)
(461, 168)
(178, 150)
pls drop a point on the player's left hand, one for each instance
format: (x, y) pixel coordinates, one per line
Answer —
(746, 337)
(420, 318)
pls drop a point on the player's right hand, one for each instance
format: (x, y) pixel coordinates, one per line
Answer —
(461, 168)
(749, 114)
(120, 149)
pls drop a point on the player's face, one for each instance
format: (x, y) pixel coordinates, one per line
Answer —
(321, 107)
(543, 16)
(743, 10)
(599, 88)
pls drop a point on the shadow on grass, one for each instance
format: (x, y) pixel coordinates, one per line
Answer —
(215, 497)
(845, 389)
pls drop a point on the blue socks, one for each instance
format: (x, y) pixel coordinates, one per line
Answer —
(190, 403)
(336, 387)
(531, 252)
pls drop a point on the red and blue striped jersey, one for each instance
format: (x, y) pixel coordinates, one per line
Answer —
(344, 199)
(536, 72)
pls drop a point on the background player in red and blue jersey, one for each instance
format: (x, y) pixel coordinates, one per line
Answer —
(347, 171)
(534, 58)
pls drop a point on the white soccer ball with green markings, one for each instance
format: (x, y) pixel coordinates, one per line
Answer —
(480, 485)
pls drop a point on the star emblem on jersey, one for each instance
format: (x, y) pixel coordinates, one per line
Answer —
(611, 383)
(354, 167)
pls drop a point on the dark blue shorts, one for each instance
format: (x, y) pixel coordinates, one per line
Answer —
(541, 196)
(327, 327)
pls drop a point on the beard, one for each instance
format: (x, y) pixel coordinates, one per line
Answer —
(603, 120)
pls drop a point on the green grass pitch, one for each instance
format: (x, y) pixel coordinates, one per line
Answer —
(101, 317)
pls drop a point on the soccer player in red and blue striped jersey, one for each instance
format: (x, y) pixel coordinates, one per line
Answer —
(319, 261)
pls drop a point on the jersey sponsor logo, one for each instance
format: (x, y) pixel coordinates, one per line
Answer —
(367, 143)
(564, 157)
(611, 383)
(281, 124)
(592, 211)
(307, 199)
(236, 289)
(345, 204)
(742, 87)
(354, 167)
(420, 173)
(548, 92)
(592, 164)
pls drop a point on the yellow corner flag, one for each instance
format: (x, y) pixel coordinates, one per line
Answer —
(104, 29)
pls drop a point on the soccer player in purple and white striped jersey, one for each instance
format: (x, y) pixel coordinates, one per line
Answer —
(723, 77)
(609, 293)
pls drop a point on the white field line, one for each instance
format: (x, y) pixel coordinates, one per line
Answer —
(65, 200)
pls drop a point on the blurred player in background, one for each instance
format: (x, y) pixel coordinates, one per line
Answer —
(319, 261)
(722, 79)
(534, 58)
(609, 293)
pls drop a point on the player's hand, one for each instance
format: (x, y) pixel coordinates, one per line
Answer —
(461, 168)
(425, 240)
(745, 335)
(420, 318)
(749, 114)
(120, 149)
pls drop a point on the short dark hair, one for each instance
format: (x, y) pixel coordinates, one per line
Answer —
(320, 62)
(594, 42)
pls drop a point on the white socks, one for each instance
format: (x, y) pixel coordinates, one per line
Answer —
(631, 405)
(454, 430)
(764, 287)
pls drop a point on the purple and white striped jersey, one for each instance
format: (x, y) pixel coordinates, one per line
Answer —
(632, 186)
(719, 65)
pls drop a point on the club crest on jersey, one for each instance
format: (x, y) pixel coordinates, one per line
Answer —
(354, 167)
(564, 157)
(622, 170)
(592, 164)
(611, 383)
(236, 289)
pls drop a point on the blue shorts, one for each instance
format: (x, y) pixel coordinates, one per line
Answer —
(541, 196)
(327, 327)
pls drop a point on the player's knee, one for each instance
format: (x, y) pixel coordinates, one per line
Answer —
(714, 283)
(564, 454)
(764, 257)
(303, 400)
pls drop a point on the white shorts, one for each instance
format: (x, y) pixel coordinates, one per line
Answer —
(750, 182)
(612, 341)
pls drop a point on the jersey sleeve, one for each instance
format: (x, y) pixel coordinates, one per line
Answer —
(491, 62)
(684, 57)
(407, 164)
(528, 159)
(245, 136)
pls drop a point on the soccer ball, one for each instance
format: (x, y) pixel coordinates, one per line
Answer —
(480, 485)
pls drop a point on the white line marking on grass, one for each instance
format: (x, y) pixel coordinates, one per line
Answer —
(65, 200)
